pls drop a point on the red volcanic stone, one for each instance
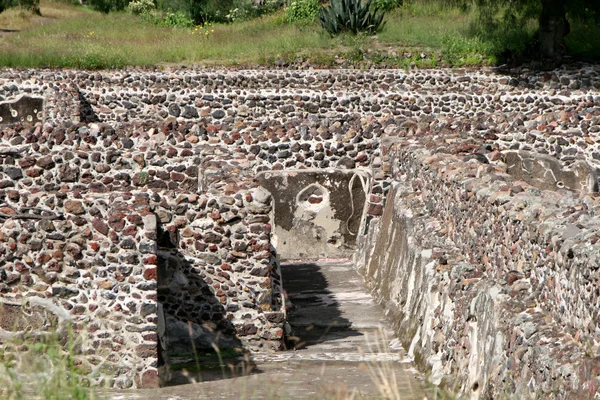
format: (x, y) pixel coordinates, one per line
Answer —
(177, 177)
(74, 250)
(212, 129)
(150, 274)
(130, 230)
(226, 267)
(246, 330)
(94, 246)
(150, 337)
(34, 172)
(45, 162)
(150, 379)
(135, 219)
(375, 209)
(43, 258)
(20, 267)
(494, 155)
(7, 211)
(172, 152)
(100, 226)
(361, 157)
(27, 162)
(151, 260)
(116, 222)
(54, 266)
(315, 199)
(146, 350)
(57, 254)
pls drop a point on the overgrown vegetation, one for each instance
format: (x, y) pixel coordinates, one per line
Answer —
(32, 6)
(43, 367)
(302, 11)
(352, 16)
(417, 33)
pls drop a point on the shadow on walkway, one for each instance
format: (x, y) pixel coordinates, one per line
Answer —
(314, 314)
(201, 343)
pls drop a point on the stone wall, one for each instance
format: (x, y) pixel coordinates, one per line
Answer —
(86, 258)
(491, 282)
(138, 192)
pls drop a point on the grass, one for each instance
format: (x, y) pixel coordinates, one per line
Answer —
(73, 36)
(95, 40)
(43, 368)
(420, 33)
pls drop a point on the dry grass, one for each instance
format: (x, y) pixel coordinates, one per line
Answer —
(17, 19)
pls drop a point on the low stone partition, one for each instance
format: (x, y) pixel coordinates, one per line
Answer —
(131, 210)
(104, 264)
(491, 283)
(85, 262)
(21, 91)
(219, 282)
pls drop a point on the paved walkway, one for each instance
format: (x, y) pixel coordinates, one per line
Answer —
(340, 349)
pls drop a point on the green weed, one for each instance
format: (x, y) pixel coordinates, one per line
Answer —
(43, 367)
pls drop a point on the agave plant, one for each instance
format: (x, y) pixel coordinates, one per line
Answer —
(352, 16)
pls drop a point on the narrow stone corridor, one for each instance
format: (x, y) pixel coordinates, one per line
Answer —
(339, 348)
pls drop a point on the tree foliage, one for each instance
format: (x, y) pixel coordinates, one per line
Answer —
(29, 5)
(554, 17)
(4, 4)
(107, 6)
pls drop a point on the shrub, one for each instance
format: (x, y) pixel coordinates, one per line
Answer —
(243, 10)
(107, 6)
(176, 19)
(4, 4)
(202, 11)
(31, 5)
(302, 11)
(351, 16)
(139, 7)
(386, 5)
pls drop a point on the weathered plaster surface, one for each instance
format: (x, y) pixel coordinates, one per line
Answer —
(317, 213)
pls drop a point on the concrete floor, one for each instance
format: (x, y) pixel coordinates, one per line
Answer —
(340, 349)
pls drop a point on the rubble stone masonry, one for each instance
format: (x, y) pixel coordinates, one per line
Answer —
(130, 211)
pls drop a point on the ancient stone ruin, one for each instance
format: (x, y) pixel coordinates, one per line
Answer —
(145, 208)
